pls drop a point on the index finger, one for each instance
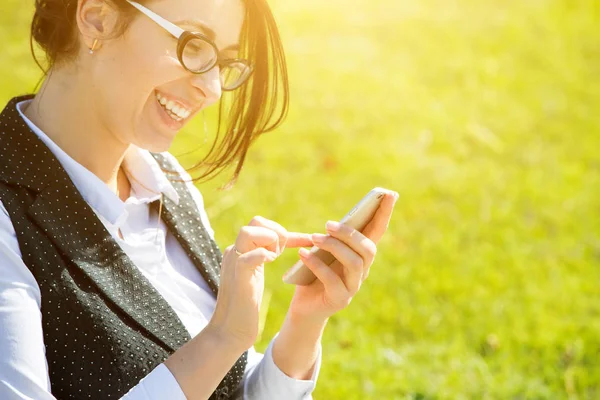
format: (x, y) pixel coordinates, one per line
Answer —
(296, 239)
(381, 220)
(281, 232)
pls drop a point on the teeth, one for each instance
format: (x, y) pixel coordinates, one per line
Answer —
(174, 110)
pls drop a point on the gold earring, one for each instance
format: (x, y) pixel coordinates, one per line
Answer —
(93, 46)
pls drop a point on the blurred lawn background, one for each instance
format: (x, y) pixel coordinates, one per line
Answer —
(484, 115)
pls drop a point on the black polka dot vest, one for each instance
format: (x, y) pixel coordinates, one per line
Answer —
(105, 326)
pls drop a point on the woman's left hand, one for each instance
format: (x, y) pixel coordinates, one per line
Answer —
(337, 284)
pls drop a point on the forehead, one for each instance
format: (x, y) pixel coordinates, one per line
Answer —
(223, 17)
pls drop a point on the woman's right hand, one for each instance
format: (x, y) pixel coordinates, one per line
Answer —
(233, 327)
(242, 278)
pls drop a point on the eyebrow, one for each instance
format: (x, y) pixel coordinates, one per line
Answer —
(206, 30)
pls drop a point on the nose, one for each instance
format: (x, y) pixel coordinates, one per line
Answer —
(210, 84)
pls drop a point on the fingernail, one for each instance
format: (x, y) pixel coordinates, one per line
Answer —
(332, 226)
(318, 238)
(303, 252)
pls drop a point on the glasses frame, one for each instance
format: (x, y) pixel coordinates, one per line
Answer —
(183, 37)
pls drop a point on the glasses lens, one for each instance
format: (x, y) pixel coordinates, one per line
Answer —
(199, 55)
(234, 74)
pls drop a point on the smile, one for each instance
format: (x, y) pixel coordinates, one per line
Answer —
(174, 109)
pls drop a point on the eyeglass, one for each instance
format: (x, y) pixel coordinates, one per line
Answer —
(198, 54)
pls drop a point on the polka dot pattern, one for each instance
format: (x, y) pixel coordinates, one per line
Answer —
(184, 221)
(105, 326)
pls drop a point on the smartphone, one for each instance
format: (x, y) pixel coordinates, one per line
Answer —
(358, 218)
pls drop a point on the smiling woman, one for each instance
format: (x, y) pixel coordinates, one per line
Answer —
(111, 283)
(242, 28)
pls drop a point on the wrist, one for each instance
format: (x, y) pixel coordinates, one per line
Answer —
(300, 328)
(296, 348)
(224, 339)
(209, 355)
(302, 321)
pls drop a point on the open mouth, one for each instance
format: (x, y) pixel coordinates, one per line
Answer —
(176, 111)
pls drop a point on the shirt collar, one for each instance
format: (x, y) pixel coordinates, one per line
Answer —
(144, 173)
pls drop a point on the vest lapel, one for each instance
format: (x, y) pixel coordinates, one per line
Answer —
(93, 260)
(82, 238)
(184, 221)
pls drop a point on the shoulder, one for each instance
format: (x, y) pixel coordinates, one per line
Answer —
(174, 162)
(10, 115)
(185, 176)
(192, 188)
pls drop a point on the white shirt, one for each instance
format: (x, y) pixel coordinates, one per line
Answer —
(159, 257)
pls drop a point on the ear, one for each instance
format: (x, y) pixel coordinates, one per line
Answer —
(96, 19)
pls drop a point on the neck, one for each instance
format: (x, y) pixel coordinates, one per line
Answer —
(70, 117)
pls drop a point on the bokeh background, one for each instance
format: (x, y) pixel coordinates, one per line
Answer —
(484, 115)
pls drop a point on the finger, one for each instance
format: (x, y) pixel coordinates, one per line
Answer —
(358, 242)
(296, 239)
(331, 281)
(252, 237)
(352, 263)
(282, 233)
(365, 274)
(227, 266)
(255, 258)
(380, 221)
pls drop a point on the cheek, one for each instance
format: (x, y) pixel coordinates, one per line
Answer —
(126, 77)
(121, 89)
(139, 65)
(151, 54)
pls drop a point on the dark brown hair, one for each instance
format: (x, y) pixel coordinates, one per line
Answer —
(255, 108)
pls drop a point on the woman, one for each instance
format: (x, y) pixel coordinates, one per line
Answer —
(111, 283)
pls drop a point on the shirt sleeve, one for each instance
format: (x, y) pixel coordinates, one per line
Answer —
(159, 384)
(265, 381)
(23, 365)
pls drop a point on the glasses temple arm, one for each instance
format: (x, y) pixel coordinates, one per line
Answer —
(168, 25)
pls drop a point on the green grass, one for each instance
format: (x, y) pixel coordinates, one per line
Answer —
(485, 116)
